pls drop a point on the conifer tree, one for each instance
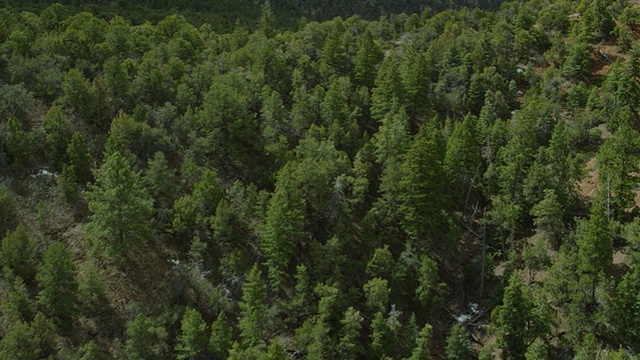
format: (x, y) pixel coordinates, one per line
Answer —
(58, 286)
(140, 337)
(367, 58)
(221, 336)
(462, 159)
(252, 309)
(192, 340)
(19, 253)
(348, 346)
(423, 186)
(422, 351)
(458, 344)
(512, 324)
(121, 207)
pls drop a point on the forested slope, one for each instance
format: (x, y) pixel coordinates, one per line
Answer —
(455, 185)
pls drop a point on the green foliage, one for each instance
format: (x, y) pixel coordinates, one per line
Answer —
(221, 337)
(142, 334)
(192, 340)
(537, 350)
(337, 158)
(520, 319)
(252, 309)
(458, 344)
(377, 293)
(8, 210)
(19, 253)
(348, 346)
(92, 288)
(423, 186)
(367, 58)
(462, 159)
(548, 214)
(422, 350)
(121, 207)
(28, 340)
(77, 170)
(56, 277)
(58, 134)
(17, 304)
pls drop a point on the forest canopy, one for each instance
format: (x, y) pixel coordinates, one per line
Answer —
(401, 182)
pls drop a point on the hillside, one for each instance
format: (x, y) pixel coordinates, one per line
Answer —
(460, 184)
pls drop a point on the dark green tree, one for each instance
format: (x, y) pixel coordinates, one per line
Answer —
(58, 130)
(348, 346)
(462, 160)
(422, 351)
(252, 309)
(19, 253)
(458, 344)
(368, 56)
(141, 338)
(221, 337)
(423, 187)
(58, 285)
(192, 340)
(121, 207)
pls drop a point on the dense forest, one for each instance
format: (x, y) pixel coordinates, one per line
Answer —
(440, 184)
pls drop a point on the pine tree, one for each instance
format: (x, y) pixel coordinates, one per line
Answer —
(458, 344)
(17, 305)
(192, 340)
(252, 309)
(348, 346)
(537, 351)
(548, 215)
(221, 336)
(58, 286)
(377, 292)
(79, 159)
(121, 207)
(19, 253)
(462, 159)
(59, 134)
(367, 58)
(141, 335)
(284, 227)
(267, 21)
(513, 319)
(422, 351)
(423, 186)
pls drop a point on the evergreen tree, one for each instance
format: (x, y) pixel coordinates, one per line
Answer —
(348, 346)
(17, 304)
(267, 21)
(462, 159)
(617, 171)
(252, 309)
(58, 286)
(76, 171)
(367, 58)
(192, 340)
(458, 344)
(221, 337)
(422, 351)
(513, 320)
(284, 228)
(19, 253)
(548, 215)
(58, 131)
(140, 338)
(121, 207)
(537, 351)
(423, 186)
